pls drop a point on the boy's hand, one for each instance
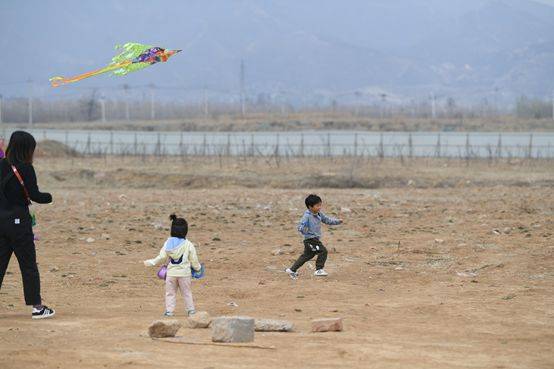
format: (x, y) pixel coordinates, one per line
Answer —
(341, 221)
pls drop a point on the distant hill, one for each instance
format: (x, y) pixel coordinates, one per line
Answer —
(321, 48)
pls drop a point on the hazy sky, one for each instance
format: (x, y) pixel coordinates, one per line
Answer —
(288, 46)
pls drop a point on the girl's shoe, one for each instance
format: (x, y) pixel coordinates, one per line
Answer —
(168, 313)
(43, 313)
(191, 312)
(321, 273)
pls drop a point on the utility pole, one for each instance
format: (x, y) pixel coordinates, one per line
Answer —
(30, 102)
(433, 105)
(152, 112)
(206, 112)
(127, 112)
(552, 105)
(384, 101)
(242, 94)
(103, 106)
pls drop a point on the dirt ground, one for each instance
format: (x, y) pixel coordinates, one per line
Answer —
(312, 120)
(425, 275)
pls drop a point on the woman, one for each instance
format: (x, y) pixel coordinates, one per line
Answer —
(18, 186)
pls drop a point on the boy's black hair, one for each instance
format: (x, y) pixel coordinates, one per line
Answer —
(312, 200)
(21, 148)
(179, 226)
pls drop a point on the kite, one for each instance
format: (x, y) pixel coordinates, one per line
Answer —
(133, 57)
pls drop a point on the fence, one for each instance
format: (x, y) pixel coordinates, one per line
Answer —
(298, 144)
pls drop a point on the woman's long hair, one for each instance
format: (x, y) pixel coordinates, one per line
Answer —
(21, 148)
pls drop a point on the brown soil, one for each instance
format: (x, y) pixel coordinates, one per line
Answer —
(455, 277)
(315, 121)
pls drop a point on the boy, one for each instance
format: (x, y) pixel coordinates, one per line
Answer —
(310, 227)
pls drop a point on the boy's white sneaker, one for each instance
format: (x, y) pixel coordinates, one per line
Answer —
(321, 273)
(291, 274)
(168, 313)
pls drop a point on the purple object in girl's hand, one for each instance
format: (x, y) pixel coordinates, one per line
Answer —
(162, 272)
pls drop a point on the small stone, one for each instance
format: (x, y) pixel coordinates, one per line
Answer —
(201, 319)
(90, 240)
(105, 236)
(271, 325)
(277, 252)
(163, 328)
(298, 310)
(438, 240)
(507, 230)
(345, 210)
(233, 329)
(327, 325)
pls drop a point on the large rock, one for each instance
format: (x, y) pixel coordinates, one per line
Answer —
(200, 319)
(163, 328)
(233, 329)
(271, 325)
(327, 325)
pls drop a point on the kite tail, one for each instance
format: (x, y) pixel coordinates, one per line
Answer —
(58, 81)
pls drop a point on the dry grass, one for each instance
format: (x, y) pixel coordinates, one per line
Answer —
(317, 121)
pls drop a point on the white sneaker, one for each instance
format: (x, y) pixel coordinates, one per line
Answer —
(168, 313)
(321, 273)
(292, 274)
(43, 313)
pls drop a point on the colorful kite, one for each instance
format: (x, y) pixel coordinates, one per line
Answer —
(133, 57)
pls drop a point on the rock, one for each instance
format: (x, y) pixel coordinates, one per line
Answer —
(163, 328)
(277, 252)
(438, 240)
(201, 319)
(90, 240)
(233, 329)
(327, 325)
(345, 210)
(105, 236)
(271, 325)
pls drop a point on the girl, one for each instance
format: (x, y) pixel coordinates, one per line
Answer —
(181, 255)
(18, 186)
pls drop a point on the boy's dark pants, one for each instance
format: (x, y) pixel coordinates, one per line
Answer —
(18, 239)
(312, 247)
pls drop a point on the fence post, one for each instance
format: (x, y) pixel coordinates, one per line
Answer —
(87, 149)
(530, 149)
(135, 144)
(111, 143)
(158, 146)
(228, 148)
(181, 144)
(438, 148)
(410, 145)
(252, 147)
(302, 145)
(356, 144)
(277, 145)
(381, 152)
(328, 144)
(467, 148)
(499, 146)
